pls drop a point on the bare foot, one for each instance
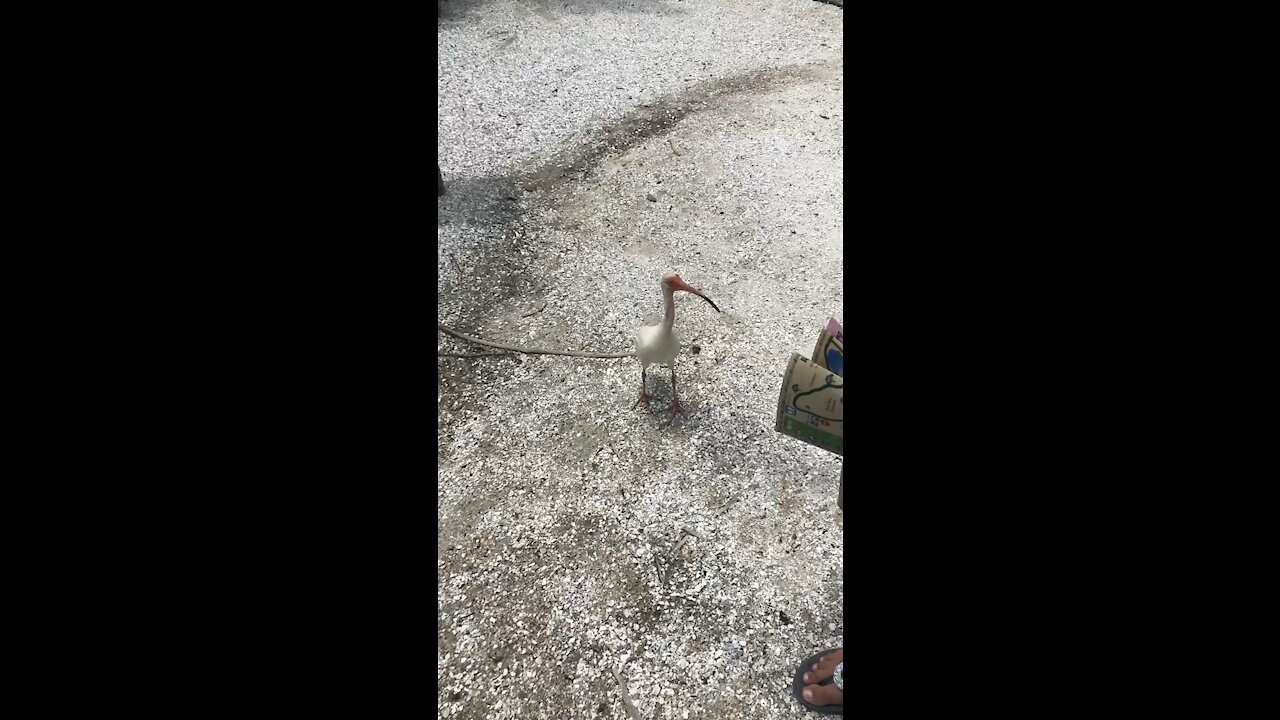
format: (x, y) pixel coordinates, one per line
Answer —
(821, 670)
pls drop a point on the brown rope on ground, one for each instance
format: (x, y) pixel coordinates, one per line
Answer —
(516, 348)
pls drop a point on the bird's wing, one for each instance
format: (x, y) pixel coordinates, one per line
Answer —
(646, 341)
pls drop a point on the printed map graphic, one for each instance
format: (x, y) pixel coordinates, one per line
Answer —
(819, 401)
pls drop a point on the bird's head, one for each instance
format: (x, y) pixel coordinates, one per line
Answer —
(673, 282)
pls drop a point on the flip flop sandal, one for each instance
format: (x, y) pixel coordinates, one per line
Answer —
(797, 686)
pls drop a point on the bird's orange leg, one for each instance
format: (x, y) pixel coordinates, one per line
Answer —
(644, 396)
(675, 399)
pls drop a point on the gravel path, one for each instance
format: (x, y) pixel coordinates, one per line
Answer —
(588, 148)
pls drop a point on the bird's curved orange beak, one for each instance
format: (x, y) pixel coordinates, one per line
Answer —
(680, 284)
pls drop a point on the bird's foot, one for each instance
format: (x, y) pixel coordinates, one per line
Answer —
(644, 398)
(676, 408)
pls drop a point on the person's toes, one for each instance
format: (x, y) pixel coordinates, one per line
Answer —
(823, 695)
(818, 673)
(825, 667)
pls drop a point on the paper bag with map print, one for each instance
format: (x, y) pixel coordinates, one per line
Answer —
(811, 406)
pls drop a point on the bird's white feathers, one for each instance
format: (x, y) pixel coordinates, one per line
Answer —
(656, 347)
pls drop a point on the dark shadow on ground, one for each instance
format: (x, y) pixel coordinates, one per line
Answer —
(477, 200)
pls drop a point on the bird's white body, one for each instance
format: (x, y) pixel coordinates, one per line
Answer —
(656, 345)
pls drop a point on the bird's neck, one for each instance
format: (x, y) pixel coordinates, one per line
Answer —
(668, 319)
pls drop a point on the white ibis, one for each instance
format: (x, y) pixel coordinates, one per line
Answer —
(658, 344)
